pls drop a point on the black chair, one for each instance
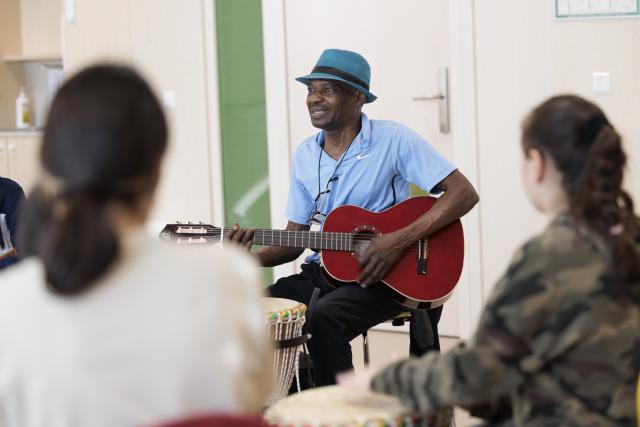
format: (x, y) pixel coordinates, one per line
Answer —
(399, 320)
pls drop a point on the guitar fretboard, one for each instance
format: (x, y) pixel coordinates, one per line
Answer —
(305, 239)
(299, 239)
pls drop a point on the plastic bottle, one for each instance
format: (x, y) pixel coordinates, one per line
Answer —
(23, 109)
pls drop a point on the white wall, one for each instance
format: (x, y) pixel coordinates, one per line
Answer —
(172, 43)
(169, 46)
(524, 56)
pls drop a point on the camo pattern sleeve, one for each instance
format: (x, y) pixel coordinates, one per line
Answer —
(558, 334)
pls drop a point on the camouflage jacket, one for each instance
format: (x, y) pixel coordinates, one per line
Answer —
(558, 334)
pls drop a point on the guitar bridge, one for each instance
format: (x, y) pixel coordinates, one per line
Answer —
(421, 258)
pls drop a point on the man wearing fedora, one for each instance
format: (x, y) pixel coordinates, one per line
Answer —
(368, 163)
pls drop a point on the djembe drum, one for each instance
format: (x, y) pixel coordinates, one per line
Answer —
(285, 319)
(335, 406)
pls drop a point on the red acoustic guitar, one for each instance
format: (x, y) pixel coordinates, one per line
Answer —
(424, 277)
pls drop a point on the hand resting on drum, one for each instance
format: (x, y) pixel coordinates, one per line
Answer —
(361, 380)
(353, 380)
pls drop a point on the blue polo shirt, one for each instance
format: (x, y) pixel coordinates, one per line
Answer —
(373, 173)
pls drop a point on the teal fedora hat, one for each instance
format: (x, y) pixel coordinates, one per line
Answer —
(344, 66)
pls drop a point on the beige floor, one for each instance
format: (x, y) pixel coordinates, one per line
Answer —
(387, 346)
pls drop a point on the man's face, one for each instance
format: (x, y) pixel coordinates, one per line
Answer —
(332, 105)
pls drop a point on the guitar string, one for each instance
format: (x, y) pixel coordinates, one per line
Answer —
(330, 236)
(413, 248)
(326, 238)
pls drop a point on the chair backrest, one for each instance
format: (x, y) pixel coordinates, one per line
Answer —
(216, 420)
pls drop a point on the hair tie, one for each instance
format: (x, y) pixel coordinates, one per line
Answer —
(52, 189)
(50, 186)
(59, 209)
(616, 230)
(593, 126)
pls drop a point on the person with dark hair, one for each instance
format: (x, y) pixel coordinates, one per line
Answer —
(560, 332)
(102, 324)
(11, 198)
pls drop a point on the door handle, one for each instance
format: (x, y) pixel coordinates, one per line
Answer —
(428, 98)
(442, 97)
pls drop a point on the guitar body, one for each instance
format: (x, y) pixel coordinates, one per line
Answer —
(414, 288)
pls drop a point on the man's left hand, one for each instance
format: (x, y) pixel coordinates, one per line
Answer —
(380, 256)
(241, 236)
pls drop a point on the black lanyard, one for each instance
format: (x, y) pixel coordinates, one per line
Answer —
(316, 212)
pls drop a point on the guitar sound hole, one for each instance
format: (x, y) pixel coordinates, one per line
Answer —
(361, 242)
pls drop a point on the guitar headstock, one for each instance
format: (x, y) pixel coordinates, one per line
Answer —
(190, 233)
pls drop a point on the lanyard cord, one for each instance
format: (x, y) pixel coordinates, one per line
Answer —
(331, 178)
(316, 207)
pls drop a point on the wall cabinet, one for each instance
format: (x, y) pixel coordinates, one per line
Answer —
(20, 159)
(100, 32)
(169, 41)
(165, 40)
(29, 39)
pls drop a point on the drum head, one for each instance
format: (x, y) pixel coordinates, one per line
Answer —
(337, 406)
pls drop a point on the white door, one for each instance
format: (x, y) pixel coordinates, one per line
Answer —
(405, 43)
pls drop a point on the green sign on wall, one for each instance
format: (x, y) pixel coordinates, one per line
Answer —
(576, 9)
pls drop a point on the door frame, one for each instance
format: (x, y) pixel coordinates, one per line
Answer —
(463, 129)
(213, 112)
(277, 105)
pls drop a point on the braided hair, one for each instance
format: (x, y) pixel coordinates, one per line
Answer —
(588, 152)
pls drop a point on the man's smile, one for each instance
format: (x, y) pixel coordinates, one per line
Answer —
(317, 111)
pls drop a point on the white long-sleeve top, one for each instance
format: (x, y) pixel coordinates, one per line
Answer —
(168, 331)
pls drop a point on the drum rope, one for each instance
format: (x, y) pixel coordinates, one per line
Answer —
(286, 324)
(297, 357)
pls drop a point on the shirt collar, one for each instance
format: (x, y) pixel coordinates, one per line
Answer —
(362, 141)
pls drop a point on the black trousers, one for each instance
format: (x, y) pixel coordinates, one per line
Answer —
(339, 315)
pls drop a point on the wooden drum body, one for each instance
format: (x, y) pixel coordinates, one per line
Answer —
(285, 319)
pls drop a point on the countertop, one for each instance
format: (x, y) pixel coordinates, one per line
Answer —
(13, 132)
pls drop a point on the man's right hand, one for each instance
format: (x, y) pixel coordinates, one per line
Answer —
(241, 236)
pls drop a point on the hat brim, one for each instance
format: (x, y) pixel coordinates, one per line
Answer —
(324, 76)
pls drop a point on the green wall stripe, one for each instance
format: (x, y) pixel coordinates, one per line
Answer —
(243, 118)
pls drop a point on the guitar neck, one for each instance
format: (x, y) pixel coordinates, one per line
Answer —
(304, 239)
